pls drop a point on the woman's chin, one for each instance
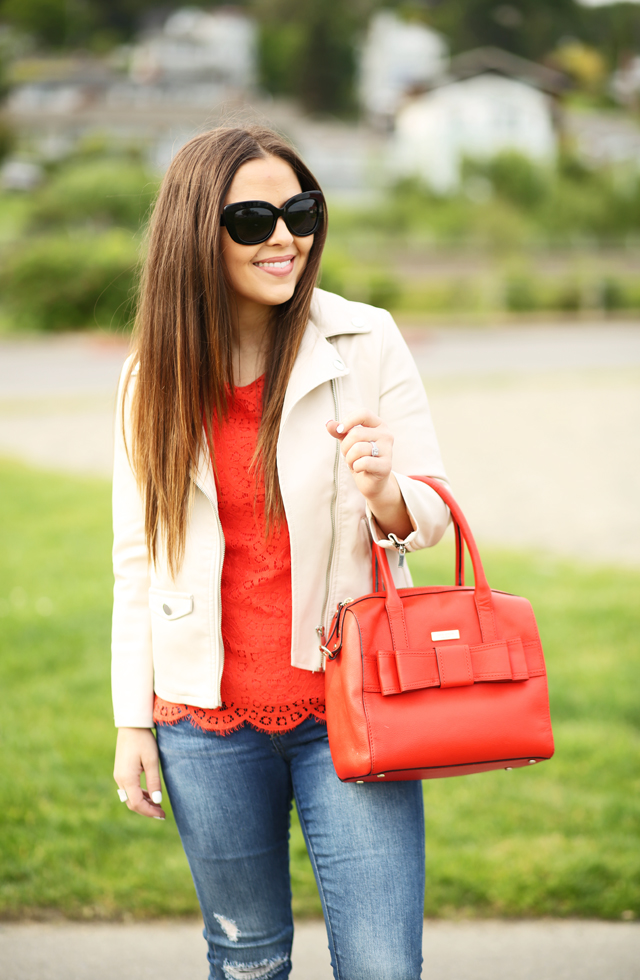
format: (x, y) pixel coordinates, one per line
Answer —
(273, 295)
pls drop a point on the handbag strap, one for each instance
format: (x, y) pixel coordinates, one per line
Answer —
(482, 592)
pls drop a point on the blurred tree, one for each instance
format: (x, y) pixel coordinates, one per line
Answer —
(68, 23)
(583, 63)
(513, 176)
(533, 28)
(529, 28)
(308, 50)
(614, 30)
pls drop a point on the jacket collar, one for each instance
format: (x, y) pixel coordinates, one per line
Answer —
(318, 361)
(333, 315)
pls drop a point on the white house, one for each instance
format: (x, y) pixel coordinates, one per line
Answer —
(396, 57)
(489, 101)
(195, 46)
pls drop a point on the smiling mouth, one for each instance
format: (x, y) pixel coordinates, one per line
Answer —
(276, 265)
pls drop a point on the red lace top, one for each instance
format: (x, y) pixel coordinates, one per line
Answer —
(259, 685)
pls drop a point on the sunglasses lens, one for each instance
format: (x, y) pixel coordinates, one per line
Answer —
(302, 217)
(253, 225)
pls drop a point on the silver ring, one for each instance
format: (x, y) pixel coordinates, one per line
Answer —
(122, 793)
(374, 449)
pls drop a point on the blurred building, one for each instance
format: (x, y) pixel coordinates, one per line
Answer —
(57, 85)
(488, 101)
(219, 46)
(397, 57)
(603, 139)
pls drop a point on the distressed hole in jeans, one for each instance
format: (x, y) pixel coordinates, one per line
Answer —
(228, 926)
(254, 971)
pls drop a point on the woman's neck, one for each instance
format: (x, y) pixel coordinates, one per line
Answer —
(249, 348)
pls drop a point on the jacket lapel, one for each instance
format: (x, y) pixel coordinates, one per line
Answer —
(318, 361)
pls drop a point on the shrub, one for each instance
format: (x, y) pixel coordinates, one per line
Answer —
(100, 192)
(514, 177)
(384, 291)
(521, 294)
(65, 282)
(7, 139)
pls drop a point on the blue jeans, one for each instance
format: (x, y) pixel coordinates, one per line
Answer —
(231, 797)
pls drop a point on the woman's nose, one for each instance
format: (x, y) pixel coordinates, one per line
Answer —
(281, 234)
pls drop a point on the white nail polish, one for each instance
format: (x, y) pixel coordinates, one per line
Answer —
(340, 428)
(328, 420)
(156, 796)
(122, 793)
(158, 818)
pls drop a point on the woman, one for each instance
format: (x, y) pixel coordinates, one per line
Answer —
(259, 421)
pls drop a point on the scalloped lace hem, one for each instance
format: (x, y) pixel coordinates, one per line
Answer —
(232, 717)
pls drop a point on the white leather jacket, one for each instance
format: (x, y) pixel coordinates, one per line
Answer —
(166, 631)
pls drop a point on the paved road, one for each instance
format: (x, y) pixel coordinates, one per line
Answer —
(538, 425)
(546, 950)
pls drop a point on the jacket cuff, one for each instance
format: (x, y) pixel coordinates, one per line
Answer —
(428, 513)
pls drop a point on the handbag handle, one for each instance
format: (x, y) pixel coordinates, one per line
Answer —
(482, 592)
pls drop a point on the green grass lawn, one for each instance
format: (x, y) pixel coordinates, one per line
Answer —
(559, 839)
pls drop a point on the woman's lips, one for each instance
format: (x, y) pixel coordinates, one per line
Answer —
(281, 266)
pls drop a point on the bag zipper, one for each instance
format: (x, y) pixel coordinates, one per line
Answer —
(320, 630)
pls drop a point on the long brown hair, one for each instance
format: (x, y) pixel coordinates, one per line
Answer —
(184, 333)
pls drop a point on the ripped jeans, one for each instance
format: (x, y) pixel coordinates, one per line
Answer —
(231, 797)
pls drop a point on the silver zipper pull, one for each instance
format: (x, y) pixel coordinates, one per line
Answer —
(400, 547)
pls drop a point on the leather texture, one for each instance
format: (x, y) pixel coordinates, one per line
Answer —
(401, 706)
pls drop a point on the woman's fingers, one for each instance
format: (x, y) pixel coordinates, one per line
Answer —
(361, 452)
(152, 776)
(340, 430)
(137, 752)
(139, 800)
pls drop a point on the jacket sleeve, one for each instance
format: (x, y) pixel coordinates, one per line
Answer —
(131, 654)
(403, 406)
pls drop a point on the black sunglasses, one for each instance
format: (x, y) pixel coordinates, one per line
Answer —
(252, 222)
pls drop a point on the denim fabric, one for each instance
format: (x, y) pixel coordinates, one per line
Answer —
(232, 796)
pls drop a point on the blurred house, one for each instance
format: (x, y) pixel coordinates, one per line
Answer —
(488, 101)
(194, 45)
(56, 85)
(397, 57)
(625, 83)
(603, 139)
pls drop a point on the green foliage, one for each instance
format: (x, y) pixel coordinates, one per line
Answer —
(529, 28)
(533, 28)
(70, 252)
(513, 177)
(67, 282)
(559, 839)
(307, 50)
(64, 23)
(279, 52)
(7, 137)
(510, 201)
(359, 281)
(99, 191)
(51, 21)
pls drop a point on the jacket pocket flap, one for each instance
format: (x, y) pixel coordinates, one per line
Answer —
(170, 605)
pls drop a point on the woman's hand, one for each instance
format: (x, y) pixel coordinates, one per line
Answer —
(359, 434)
(137, 752)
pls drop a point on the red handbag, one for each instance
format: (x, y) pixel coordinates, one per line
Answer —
(439, 681)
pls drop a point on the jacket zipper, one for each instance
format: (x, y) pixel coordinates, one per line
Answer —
(320, 630)
(219, 607)
(400, 547)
